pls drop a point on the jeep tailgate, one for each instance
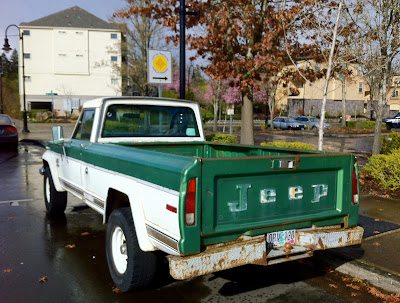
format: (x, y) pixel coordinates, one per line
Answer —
(252, 195)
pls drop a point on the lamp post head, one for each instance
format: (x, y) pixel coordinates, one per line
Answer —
(6, 47)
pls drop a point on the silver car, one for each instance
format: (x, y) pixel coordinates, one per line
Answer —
(286, 123)
(311, 122)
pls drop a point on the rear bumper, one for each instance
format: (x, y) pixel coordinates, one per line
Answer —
(253, 250)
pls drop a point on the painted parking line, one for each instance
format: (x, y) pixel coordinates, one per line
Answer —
(15, 202)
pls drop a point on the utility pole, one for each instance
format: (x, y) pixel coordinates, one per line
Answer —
(182, 44)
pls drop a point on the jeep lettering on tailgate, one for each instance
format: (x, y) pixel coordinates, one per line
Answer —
(269, 195)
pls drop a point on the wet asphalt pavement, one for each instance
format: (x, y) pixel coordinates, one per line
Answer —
(62, 259)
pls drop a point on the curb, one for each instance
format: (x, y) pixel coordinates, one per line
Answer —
(358, 269)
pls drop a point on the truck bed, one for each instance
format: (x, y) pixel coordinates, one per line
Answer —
(249, 190)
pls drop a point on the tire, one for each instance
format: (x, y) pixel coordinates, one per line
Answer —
(129, 266)
(55, 201)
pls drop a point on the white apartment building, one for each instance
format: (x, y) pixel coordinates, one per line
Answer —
(72, 54)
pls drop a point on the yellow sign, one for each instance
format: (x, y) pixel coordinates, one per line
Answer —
(160, 63)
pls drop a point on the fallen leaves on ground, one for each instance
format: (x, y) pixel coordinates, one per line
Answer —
(376, 232)
(381, 209)
(11, 218)
(376, 244)
(333, 285)
(355, 287)
(43, 279)
(116, 290)
(7, 270)
(377, 220)
(85, 233)
(387, 298)
(353, 294)
(70, 246)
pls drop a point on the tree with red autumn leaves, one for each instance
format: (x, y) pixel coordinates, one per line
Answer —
(241, 39)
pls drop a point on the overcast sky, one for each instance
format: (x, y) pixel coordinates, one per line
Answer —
(17, 11)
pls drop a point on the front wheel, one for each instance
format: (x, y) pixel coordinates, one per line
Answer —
(129, 266)
(55, 201)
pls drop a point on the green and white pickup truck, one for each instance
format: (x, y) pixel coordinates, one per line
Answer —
(144, 165)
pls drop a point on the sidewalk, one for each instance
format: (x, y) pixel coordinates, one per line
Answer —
(376, 260)
(41, 132)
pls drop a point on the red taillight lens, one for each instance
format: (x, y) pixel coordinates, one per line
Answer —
(190, 203)
(11, 129)
(355, 199)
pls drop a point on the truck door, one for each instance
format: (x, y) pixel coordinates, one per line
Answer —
(71, 166)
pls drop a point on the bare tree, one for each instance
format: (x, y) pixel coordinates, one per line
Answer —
(329, 31)
(140, 33)
(377, 46)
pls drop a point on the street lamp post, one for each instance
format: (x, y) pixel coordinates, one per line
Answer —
(7, 48)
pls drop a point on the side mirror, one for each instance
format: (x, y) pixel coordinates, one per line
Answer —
(58, 134)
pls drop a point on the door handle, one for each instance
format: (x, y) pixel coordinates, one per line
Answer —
(86, 170)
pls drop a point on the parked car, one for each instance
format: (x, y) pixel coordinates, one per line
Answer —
(393, 122)
(287, 123)
(311, 122)
(8, 132)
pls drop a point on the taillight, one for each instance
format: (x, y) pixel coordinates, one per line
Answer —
(190, 203)
(355, 199)
(11, 129)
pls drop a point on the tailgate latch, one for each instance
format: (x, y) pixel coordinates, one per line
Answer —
(283, 164)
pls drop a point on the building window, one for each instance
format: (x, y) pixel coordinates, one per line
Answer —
(361, 87)
(26, 32)
(395, 94)
(114, 36)
(27, 55)
(114, 58)
(317, 66)
(359, 70)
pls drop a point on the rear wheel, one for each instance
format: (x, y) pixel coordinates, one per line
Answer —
(129, 266)
(55, 201)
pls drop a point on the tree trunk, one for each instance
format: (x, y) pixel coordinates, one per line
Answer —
(272, 111)
(215, 126)
(343, 102)
(376, 147)
(216, 106)
(247, 132)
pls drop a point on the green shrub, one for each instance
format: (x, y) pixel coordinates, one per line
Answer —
(385, 169)
(170, 94)
(222, 138)
(390, 142)
(369, 125)
(351, 124)
(297, 145)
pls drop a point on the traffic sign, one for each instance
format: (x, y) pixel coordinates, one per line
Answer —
(159, 65)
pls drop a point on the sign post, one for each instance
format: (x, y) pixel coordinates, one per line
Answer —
(52, 104)
(159, 68)
(230, 112)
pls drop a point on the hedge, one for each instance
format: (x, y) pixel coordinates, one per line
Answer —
(363, 124)
(385, 169)
(390, 142)
(222, 138)
(296, 145)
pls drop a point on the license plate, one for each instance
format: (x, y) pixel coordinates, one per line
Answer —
(280, 238)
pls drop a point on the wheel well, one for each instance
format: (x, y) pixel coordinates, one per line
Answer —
(115, 199)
